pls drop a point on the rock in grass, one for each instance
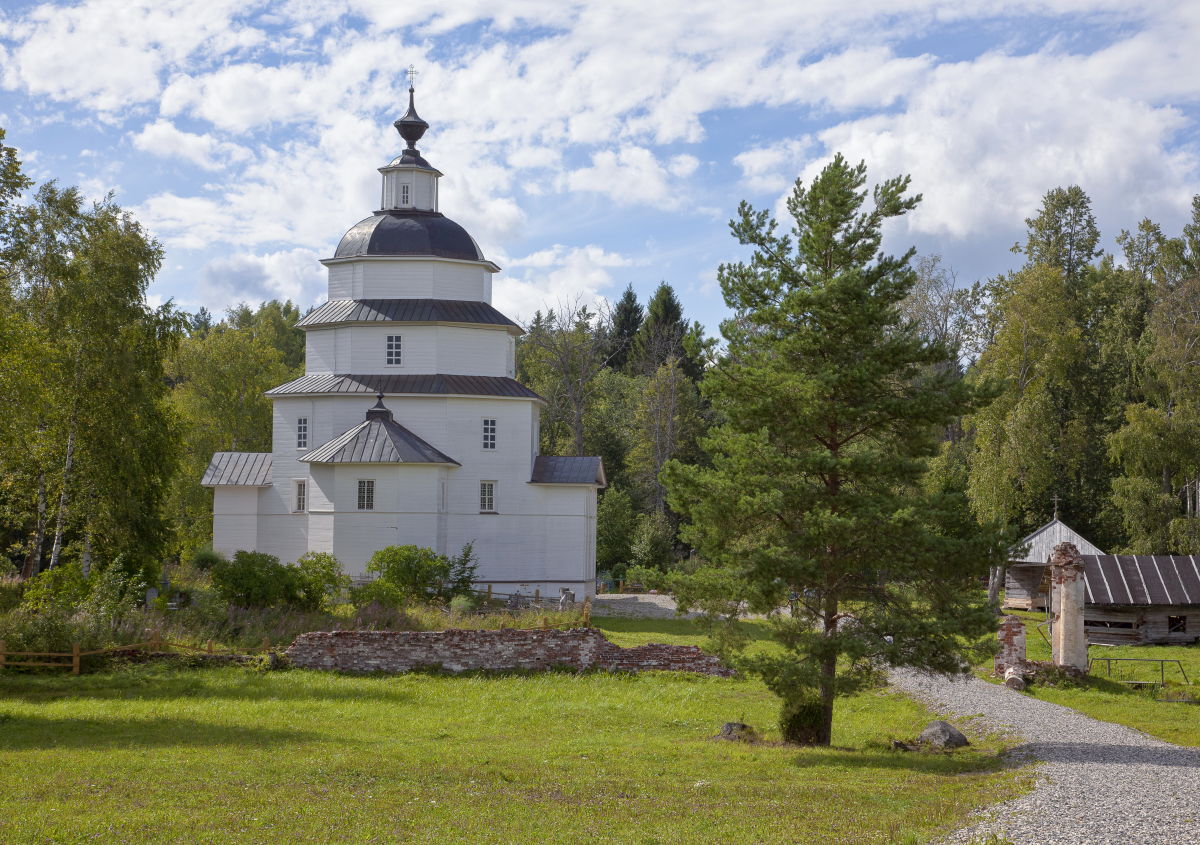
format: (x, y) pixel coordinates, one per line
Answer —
(738, 732)
(939, 734)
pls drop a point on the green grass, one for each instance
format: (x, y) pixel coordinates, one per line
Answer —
(158, 753)
(1110, 701)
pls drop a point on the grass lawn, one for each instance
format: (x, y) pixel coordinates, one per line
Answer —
(158, 753)
(1110, 701)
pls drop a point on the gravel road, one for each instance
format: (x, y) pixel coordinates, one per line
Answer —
(1099, 783)
(638, 605)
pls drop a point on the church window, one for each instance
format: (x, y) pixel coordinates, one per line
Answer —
(302, 432)
(393, 349)
(489, 434)
(301, 496)
(366, 494)
(404, 194)
(487, 497)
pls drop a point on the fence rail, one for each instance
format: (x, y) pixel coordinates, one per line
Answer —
(73, 659)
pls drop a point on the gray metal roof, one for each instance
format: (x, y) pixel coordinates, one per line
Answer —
(1142, 579)
(558, 469)
(400, 384)
(1043, 541)
(405, 311)
(409, 232)
(377, 441)
(238, 469)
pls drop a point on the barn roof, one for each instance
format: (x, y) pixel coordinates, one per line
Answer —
(1142, 579)
(560, 469)
(1041, 542)
(378, 440)
(395, 384)
(238, 469)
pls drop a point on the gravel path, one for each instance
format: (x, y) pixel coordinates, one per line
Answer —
(637, 605)
(1099, 783)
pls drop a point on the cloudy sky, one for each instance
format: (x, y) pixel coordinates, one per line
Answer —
(587, 145)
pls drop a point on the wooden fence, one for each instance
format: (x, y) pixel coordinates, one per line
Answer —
(73, 659)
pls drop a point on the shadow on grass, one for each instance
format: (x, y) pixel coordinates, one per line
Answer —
(951, 763)
(160, 683)
(25, 733)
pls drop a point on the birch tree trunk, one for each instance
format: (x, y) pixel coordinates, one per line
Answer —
(61, 517)
(33, 561)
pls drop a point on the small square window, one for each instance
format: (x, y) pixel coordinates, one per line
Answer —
(489, 434)
(1176, 624)
(366, 494)
(487, 496)
(393, 349)
(301, 496)
(302, 433)
(404, 194)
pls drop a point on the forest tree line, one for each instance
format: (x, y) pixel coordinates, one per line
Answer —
(112, 408)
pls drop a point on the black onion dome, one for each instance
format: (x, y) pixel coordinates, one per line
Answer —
(409, 233)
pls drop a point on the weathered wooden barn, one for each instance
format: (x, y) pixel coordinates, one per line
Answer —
(1027, 580)
(1141, 599)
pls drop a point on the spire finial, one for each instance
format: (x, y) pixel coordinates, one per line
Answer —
(411, 127)
(379, 411)
(1056, 506)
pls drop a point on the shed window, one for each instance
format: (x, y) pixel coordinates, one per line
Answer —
(487, 497)
(489, 434)
(366, 494)
(301, 496)
(1176, 624)
(393, 349)
(404, 194)
(302, 432)
(1098, 623)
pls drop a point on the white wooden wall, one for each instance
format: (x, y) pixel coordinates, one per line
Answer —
(450, 350)
(409, 278)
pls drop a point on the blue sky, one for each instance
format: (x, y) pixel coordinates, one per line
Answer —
(591, 145)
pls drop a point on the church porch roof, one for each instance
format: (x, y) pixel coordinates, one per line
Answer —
(405, 311)
(398, 384)
(562, 469)
(238, 469)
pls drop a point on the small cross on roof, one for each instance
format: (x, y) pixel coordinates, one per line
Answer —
(412, 74)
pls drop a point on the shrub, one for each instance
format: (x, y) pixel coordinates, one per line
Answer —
(464, 604)
(205, 559)
(58, 589)
(464, 569)
(320, 579)
(378, 593)
(414, 571)
(256, 579)
(113, 591)
(12, 589)
(653, 541)
(801, 720)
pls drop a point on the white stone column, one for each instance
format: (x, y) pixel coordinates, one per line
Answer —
(1068, 641)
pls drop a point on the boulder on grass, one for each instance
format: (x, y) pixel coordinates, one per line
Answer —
(939, 734)
(738, 732)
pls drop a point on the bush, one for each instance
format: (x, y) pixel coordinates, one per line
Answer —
(320, 579)
(12, 589)
(60, 589)
(114, 592)
(653, 542)
(256, 579)
(464, 604)
(464, 569)
(205, 559)
(802, 720)
(414, 572)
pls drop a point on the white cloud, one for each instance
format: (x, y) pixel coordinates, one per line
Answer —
(163, 139)
(555, 276)
(773, 167)
(294, 274)
(632, 175)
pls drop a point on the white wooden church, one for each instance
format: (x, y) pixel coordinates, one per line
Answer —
(408, 425)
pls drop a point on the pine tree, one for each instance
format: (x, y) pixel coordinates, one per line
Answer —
(832, 407)
(661, 334)
(626, 320)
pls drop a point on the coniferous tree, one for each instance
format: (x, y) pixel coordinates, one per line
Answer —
(832, 407)
(661, 334)
(626, 321)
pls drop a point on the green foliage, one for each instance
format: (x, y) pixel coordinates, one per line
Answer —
(320, 581)
(12, 589)
(114, 591)
(833, 404)
(464, 604)
(61, 589)
(205, 559)
(653, 542)
(409, 573)
(614, 529)
(256, 579)
(628, 315)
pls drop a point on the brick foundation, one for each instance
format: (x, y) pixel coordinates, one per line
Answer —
(507, 648)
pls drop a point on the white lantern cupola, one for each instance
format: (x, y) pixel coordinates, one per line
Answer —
(410, 183)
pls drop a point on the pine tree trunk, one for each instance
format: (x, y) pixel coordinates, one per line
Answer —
(828, 676)
(60, 518)
(33, 561)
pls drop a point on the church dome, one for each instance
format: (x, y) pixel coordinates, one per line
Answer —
(409, 232)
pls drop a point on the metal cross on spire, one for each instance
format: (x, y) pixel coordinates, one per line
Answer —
(1056, 506)
(412, 75)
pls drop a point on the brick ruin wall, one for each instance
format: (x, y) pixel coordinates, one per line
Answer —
(505, 649)
(1012, 644)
